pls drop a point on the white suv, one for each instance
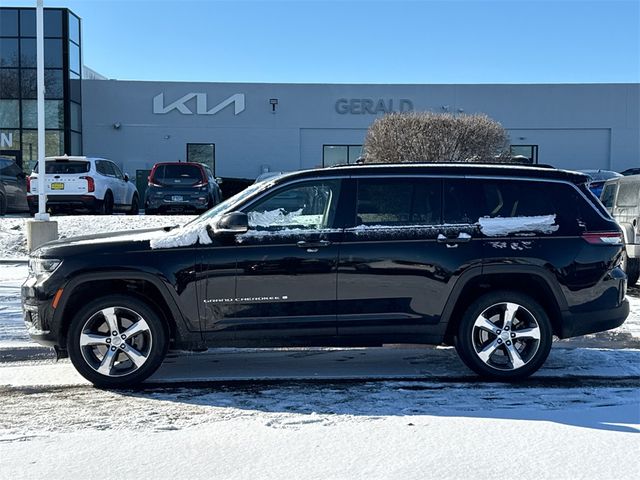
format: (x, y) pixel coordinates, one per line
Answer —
(621, 197)
(83, 183)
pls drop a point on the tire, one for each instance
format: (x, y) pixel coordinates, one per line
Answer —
(91, 341)
(484, 343)
(135, 207)
(633, 271)
(106, 207)
(3, 204)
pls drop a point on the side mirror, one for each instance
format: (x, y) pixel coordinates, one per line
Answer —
(233, 222)
(219, 180)
(126, 177)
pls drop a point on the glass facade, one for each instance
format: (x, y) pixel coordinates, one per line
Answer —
(18, 84)
(340, 154)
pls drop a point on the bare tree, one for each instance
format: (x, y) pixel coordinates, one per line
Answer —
(436, 137)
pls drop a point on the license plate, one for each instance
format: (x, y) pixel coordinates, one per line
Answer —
(176, 198)
(57, 186)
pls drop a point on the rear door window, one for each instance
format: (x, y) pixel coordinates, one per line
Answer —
(398, 202)
(177, 174)
(628, 194)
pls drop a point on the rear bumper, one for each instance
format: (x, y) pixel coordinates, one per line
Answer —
(576, 324)
(71, 202)
(161, 205)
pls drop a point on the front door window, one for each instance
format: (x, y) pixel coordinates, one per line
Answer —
(308, 206)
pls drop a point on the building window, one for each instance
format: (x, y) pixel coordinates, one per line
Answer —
(204, 153)
(18, 83)
(340, 154)
(529, 152)
(9, 23)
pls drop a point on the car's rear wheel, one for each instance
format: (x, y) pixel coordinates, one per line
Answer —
(106, 207)
(135, 207)
(504, 336)
(117, 341)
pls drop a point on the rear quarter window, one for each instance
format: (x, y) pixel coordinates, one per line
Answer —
(467, 200)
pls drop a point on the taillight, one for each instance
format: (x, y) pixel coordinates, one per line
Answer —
(91, 184)
(604, 238)
(28, 184)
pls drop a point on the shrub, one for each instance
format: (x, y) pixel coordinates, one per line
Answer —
(436, 137)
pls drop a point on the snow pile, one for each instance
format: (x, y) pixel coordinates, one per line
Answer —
(499, 226)
(183, 236)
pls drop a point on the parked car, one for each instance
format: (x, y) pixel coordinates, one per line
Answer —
(84, 184)
(621, 197)
(13, 187)
(492, 259)
(631, 171)
(597, 179)
(181, 187)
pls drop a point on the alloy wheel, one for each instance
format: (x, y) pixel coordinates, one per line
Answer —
(506, 336)
(116, 341)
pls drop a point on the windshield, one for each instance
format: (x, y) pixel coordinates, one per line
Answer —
(65, 166)
(228, 203)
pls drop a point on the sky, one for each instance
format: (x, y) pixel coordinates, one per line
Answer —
(331, 41)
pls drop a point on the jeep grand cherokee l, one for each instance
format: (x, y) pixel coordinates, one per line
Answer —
(492, 259)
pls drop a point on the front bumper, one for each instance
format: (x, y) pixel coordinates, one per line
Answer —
(37, 313)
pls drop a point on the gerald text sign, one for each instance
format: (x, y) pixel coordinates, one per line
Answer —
(372, 106)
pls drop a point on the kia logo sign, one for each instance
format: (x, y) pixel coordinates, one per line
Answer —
(201, 105)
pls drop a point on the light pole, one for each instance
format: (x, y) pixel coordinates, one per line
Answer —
(42, 197)
(41, 229)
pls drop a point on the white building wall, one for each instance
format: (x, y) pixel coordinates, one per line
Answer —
(575, 126)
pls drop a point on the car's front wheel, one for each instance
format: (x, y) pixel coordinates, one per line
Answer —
(504, 336)
(117, 341)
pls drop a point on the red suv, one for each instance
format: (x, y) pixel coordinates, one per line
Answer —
(181, 187)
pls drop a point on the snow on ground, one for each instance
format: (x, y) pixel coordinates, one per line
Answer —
(398, 412)
(13, 243)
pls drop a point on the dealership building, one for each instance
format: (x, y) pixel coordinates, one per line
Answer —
(244, 129)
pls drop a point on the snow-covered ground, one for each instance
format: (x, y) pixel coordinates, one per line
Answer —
(397, 412)
(13, 243)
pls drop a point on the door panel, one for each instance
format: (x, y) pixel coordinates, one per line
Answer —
(286, 266)
(399, 263)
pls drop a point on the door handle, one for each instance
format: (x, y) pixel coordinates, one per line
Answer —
(319, 243)
(461, 238)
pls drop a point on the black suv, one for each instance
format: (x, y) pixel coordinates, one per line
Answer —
(492, 259)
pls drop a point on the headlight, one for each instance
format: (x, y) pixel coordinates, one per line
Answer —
(43, 266)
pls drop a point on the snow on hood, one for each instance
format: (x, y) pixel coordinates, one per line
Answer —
(496, 227)
(184, 236)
